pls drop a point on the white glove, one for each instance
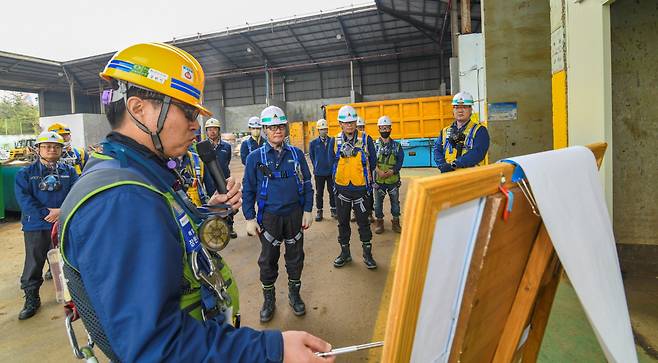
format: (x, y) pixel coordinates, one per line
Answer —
(253, 229)
(307, 220)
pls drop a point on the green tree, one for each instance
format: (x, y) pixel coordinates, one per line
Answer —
(18, 115)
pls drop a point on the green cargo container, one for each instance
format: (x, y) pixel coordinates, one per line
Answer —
(8, 174)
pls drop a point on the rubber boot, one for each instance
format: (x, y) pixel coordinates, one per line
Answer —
(397, 228)
(318, 217)
(32, 304)
(367, 256)
(231, 232)
(334, 215)
(379, 226)
(294, 299)
(269, 304)
(344, 256)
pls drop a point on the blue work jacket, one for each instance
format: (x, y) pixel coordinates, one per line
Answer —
(223, 152)
(322, 156)
(126, 245)
(248, 146)
(282, 193)
(474, 156)
(34, 202)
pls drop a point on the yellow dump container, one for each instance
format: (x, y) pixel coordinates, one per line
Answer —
(412, 118)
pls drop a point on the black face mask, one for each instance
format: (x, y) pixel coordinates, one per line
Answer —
(385, 134)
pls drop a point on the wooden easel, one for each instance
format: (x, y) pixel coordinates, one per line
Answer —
(512, 279)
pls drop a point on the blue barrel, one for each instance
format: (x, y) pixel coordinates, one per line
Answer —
(418, 152)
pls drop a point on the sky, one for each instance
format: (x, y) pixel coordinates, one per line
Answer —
(70, 29)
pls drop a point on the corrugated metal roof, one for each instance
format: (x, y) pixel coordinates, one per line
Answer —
(387, 29)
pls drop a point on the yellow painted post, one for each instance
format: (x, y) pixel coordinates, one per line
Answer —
(559, 94)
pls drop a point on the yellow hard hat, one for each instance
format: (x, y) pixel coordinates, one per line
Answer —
(161, 68)
(59, 128)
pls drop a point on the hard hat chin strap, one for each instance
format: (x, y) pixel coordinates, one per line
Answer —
(155, 136)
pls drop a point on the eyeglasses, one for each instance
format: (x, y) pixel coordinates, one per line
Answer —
(276, 127)
(50, 147)
(191, 113)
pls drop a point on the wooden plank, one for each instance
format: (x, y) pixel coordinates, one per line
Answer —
(526, 295)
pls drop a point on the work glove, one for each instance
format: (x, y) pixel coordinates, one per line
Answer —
(307, 220)
(253, 229)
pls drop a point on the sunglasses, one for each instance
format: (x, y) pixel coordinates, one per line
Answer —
(191, 113)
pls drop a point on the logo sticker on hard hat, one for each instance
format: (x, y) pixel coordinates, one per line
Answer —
(187, 73)
(157, 76)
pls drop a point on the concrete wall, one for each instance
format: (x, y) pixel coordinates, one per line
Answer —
(589, 95)
(634, 25)
(518, 69)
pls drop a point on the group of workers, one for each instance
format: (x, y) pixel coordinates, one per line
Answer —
(131, 229)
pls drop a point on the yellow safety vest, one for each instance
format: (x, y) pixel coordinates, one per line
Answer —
(353, 169)
(450, 152)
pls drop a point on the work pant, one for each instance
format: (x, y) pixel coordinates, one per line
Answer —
(278, 230)
(319, 191)
(37, 244)
(359, 201)
(393, 192)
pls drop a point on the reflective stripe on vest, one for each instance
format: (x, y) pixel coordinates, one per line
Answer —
(344, 168)
(449, 152)
(98, 179)
(387, 163)
(299, 179)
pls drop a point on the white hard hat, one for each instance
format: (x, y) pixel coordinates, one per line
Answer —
(273, 115)
(360, 121)
(347, 113)
(462, 98)
(254, 122)
(49, 136)
(321, 124)
(384, 121)
(213, 122)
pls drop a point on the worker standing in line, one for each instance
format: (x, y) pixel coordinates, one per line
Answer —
(40, 190)
(277, 179)
(223, 153)
(322, 157)
(76, 157)
(390, 157)
(254, 141)
(355, 159)
(361, 127)
(136, 268)
(465, 142)
(192, 171)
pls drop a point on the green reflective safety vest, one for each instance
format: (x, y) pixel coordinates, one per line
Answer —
(103, 179)
(387, 162)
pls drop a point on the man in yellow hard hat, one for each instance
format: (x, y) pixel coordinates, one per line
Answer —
(76, 157)
(148, 286)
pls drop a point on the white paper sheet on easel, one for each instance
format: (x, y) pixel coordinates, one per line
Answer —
(452, 247)
(569, 196)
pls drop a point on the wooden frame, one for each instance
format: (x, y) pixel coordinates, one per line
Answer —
(512, 277)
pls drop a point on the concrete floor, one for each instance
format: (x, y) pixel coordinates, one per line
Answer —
(344, 306)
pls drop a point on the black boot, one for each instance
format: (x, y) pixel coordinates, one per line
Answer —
(232, 233)
(367, 256)
(318, 217)
(269, 304)
(298, 306)
(344, 256)
(32, 304)
(334, 215)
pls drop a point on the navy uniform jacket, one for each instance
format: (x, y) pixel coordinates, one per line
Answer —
(127, 247)
(282, 194)
(34, 203)
(223, 152)
(322, 156)
(248, 146)
(472, 158)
